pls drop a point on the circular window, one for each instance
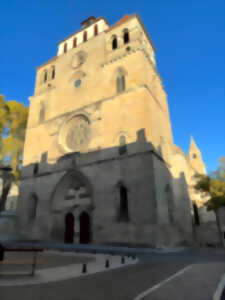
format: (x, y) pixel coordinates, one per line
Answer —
(77, 83)
(75, 135)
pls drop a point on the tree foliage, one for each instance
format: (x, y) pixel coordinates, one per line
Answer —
(214, 186)
(13, 120)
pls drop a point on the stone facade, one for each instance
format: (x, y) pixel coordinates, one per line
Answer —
(99, 161)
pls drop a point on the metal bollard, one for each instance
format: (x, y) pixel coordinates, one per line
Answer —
(84, 269)
(107, 263)
(133, 257)
(122, 259)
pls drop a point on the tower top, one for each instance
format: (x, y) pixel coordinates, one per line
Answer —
(193, 147)
(88, 21)
(195, 158)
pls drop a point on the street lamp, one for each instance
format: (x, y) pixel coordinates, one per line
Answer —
(7, 177)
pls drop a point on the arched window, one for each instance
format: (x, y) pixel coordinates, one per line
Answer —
(33, 208)
(123, 83)
(45, 76)
(123, 207)
(42, 114)
(114, 43)
(74, 42)
(85, 36)
(120, 83)
(126, 37)
(96, 29)
(122, 146)
(53, 72)
(65, 48)
(196, 215)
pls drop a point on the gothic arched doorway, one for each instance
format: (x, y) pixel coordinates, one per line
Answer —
(69, 228)
(85, 226)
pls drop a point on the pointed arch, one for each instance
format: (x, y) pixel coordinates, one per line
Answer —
(71, 180)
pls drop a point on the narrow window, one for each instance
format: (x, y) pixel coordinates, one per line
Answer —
(74, 42)
(123, 146)
(114, 43)
(45, 76)
(42, 114)
(65, 48)
(123, 83)
(85, 36)
(96, 29)
(196, 215)
(33, 211)
(120, 83)
(123, 212)
(126, 37)
(53, 72)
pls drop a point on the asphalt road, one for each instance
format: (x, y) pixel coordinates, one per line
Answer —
(197, 283)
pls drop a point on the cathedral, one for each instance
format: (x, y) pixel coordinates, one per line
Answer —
(99, 162)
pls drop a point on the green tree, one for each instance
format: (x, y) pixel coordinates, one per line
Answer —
(4, 114)
(214, 186)
(14, 124)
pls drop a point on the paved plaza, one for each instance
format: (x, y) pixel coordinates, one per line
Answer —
(191, 274)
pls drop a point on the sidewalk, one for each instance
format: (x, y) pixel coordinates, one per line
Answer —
(56, 274)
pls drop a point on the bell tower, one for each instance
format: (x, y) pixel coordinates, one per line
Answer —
(195, 158)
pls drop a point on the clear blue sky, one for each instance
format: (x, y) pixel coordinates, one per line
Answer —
(189, 37)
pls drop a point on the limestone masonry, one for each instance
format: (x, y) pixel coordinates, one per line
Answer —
(99, 163)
